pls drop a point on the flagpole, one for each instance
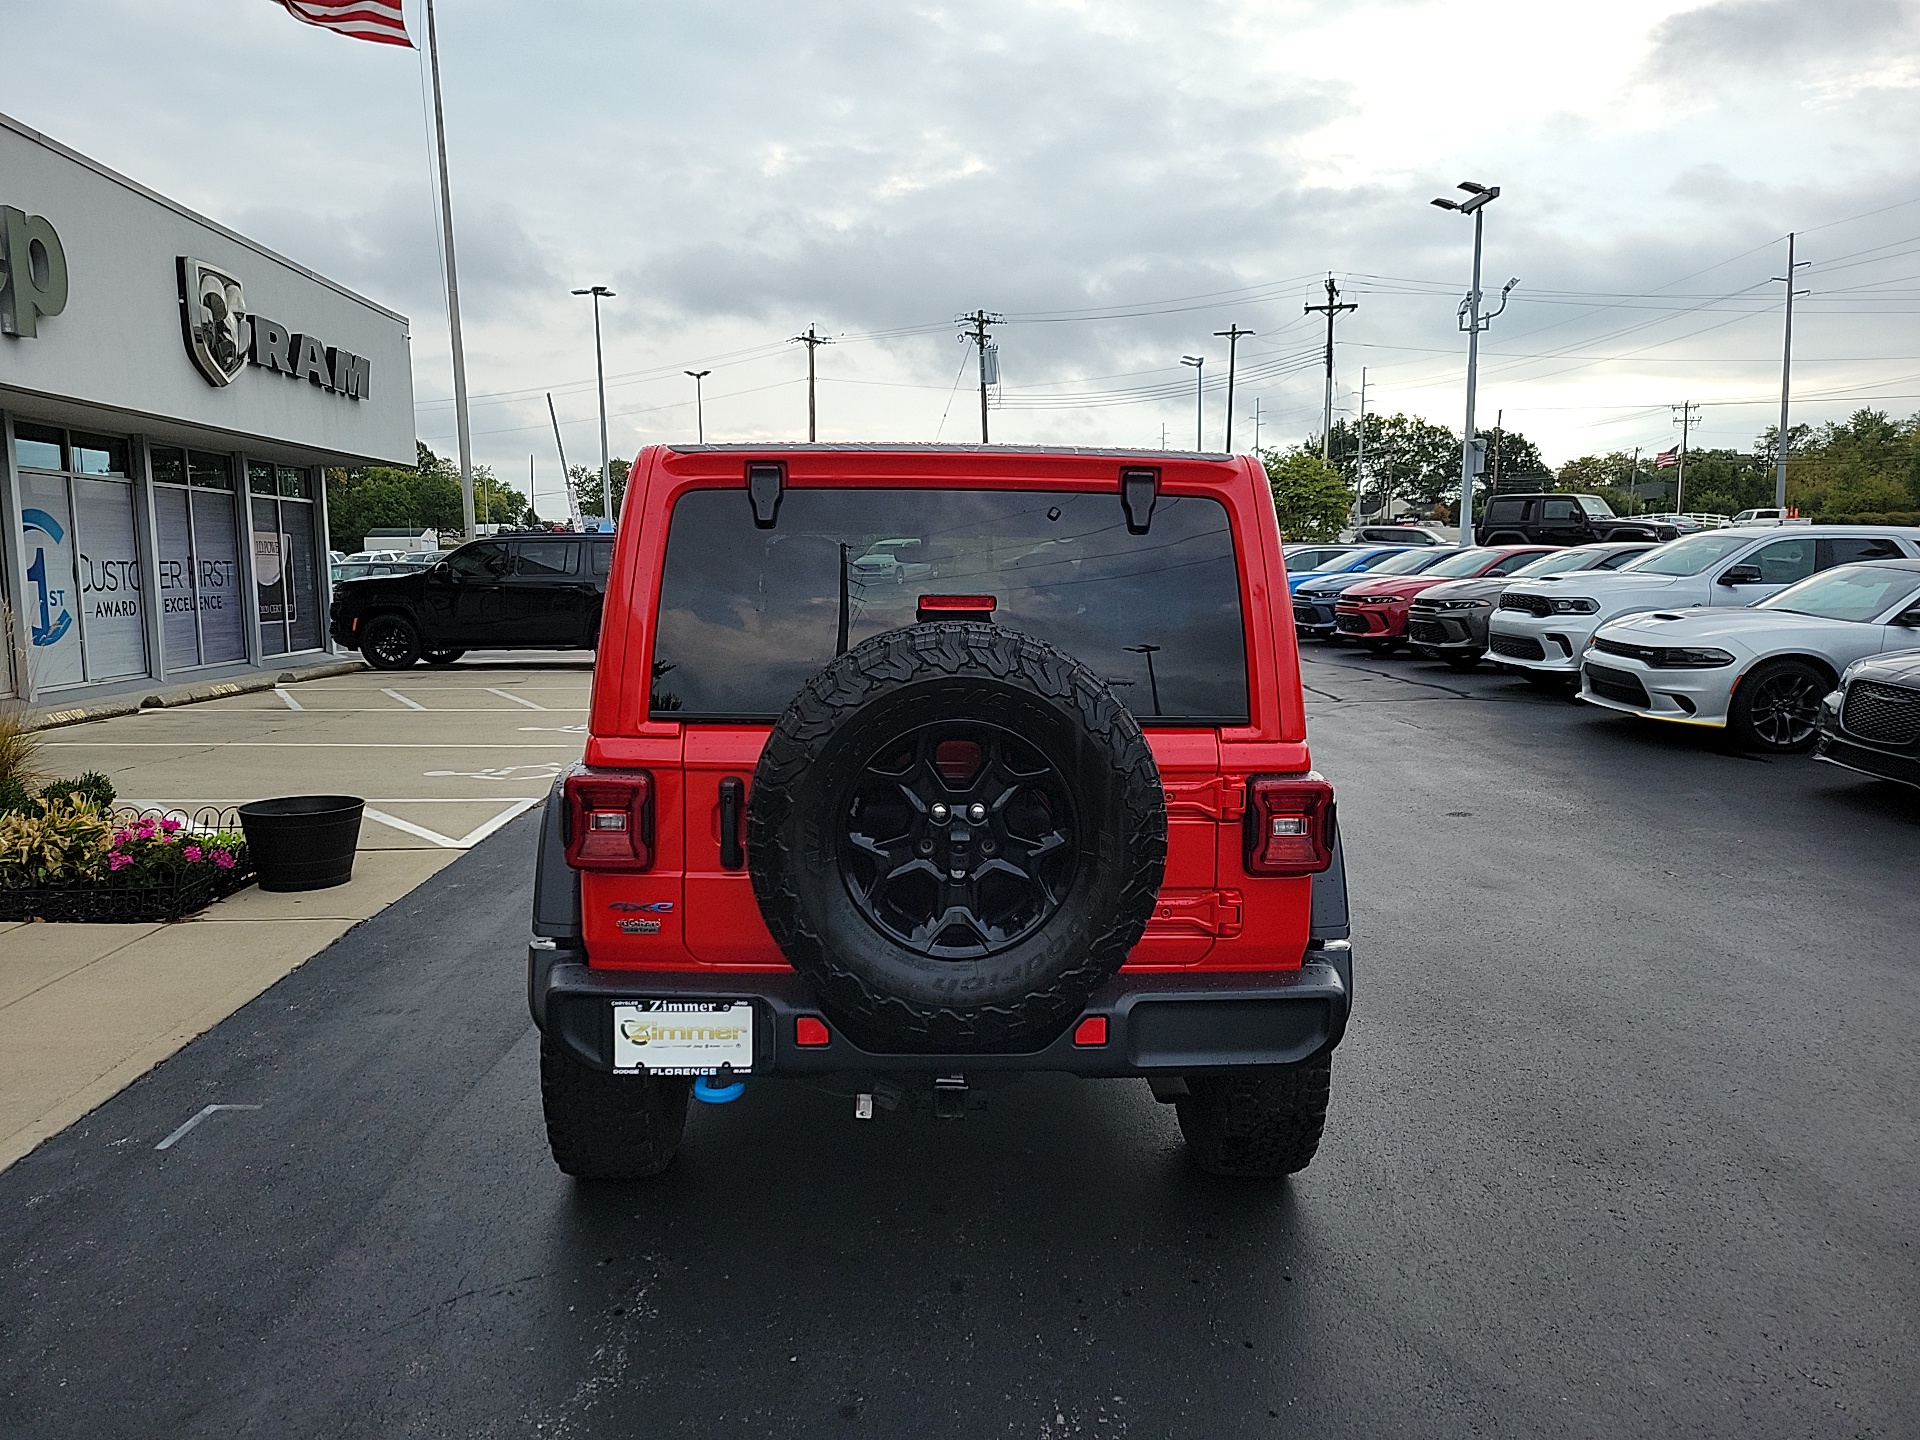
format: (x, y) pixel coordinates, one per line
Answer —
(453, 288)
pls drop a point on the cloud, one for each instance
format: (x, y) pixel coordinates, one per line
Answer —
(1751, 36)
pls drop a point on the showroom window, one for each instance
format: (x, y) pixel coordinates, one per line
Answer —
(85, 620)
(286, 567)
(202, 616)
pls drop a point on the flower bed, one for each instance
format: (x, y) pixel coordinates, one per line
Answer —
(64, 860)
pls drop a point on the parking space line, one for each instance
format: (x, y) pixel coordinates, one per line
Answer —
(410, 704)
(180, 1134)
(292, 704)
(465, 842)
(509, 695)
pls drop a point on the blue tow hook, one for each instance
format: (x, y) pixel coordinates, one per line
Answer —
(708, 1093)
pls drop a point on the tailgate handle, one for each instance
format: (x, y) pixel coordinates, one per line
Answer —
(732, 791)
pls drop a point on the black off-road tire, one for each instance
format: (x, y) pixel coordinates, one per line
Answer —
(1259, 1125)
(390, 642)
(610, 1127)
(891, 998)
(441, 657)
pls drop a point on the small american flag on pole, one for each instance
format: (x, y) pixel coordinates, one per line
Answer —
(1667, 459)
(380, 21)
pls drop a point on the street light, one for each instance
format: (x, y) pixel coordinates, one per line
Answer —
(600, 370)
(699, 410)
(1473, 322)
(1199, 363)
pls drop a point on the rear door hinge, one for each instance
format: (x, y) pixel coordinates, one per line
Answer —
(1221, 797)
(1216, 913)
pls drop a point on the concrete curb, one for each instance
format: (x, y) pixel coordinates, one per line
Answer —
(168, 696)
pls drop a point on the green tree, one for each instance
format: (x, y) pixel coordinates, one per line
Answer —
(1412, 460)
(586, 481)
(424, 496)
(1310, 496)
(1513, 463)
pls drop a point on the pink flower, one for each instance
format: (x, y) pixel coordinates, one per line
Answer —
(192, 852)
(169, 825)
(119, 839)
(146, 830)
(119, 862)
(223, 859)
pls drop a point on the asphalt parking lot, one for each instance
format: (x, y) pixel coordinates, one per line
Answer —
(1622, 1143)
(443, 757)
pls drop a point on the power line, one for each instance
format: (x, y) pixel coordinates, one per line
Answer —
(813, 342)
(1331, 310)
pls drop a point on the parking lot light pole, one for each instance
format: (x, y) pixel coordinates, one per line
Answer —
(699, 407)
(1473, 322)
(1199, 364)
(600, 373)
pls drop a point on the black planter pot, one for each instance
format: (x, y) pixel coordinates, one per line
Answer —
(303, 842)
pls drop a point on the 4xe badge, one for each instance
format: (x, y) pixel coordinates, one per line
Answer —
(640, 927)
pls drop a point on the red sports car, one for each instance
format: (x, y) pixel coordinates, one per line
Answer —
(1374, 612)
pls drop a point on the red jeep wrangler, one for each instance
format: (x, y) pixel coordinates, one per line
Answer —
(911, 769)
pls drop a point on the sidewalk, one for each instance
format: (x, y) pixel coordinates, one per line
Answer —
(444, 759)
(85, 1010)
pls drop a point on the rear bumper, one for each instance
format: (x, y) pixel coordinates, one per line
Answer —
(1157, 1024)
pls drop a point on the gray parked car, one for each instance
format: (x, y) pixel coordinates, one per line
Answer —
(1449, 622)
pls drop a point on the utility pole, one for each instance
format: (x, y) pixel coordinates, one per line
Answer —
(1232, 336)
(1499, 434)
(699, 405)
(1199, 364)
(1689, 415)
(1331, 309)
(813, 341)
(1255, 417)
(989, 356)
(1360, 455)
(1473, 450)
(1633, 484)
(1163, 434)
(566, 475)
(1786, 376)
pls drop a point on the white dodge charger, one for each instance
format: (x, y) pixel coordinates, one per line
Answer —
(1759, 672)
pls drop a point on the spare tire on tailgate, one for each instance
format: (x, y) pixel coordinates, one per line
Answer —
(956, 832)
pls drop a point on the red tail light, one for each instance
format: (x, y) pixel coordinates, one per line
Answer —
(1289, 825)
(610, 820)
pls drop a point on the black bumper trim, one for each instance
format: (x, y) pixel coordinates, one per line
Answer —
(1157, 1023)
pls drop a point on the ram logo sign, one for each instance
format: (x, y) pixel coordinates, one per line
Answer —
(224, 336)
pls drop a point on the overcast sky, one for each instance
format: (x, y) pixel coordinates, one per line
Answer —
(1119, 179)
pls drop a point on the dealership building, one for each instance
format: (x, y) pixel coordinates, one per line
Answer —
(170, 393)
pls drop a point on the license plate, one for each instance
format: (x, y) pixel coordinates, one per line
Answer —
(683, 1037)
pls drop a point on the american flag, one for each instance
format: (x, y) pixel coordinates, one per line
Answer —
(1667, 459)
(380, 21)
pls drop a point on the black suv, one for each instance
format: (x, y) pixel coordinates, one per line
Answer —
(540, 592)
(1562, 520)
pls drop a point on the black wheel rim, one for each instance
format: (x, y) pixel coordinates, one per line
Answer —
(959, 840)
(389, 644)
(1785, 709)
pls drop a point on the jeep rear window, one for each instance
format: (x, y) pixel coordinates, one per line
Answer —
(748, 615)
